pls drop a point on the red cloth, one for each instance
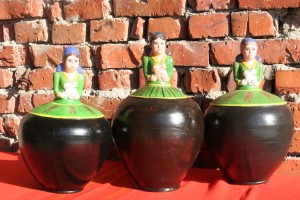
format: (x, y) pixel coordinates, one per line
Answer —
(113, 182)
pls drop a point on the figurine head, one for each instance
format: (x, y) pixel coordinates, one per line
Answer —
(158, 43)
(249, 49)
(71, 58)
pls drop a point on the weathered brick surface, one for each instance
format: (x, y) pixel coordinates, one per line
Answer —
(11, 125)
(202, 5)
(100, 30)
(21, 9)
(295, 108)
(41, 78)
(150, 8)
(31, 31)
(116, 56)
(258, 4)
(261, 24)
(218, 57)
(54, 12)
(290, 166)
(51, 55)
(121, 79)
(40, 99)
(7, 104)
(189, 53)
(6, 78)
(105, 105)
(202, 81)
(272, 51)
(85, 9)
(287, 81)
(25, 102)
(239, 23)
(137, 30)
(209, 25)
(7, 33)
(293, 51)
(295, 145)
(11, 56)
(171, 27)
(69, 34)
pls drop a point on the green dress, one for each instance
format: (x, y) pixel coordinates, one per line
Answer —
(67, 108)
(158, 88)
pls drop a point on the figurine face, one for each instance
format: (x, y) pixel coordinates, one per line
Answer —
(249, 51)
(158, 47)
(71, 64)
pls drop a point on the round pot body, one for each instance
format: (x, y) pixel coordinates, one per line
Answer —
(158, 140)
(248, 141)
(63, 155)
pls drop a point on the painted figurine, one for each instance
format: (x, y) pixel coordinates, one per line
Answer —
(248, 69)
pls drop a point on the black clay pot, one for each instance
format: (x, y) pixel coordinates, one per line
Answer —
(158, 140)
(63, 155)
(249, 142)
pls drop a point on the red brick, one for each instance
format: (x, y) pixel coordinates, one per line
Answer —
(115, 79)
(1, 125)
(31, 31)
(40, 99)
(120, 56)
(295, 145)
(258, 4)
(19, 9)
(202, 81)
(295, 109)
(272, 51)
(41, 78)
(100, 29)
(85, 10)
(190, 53)
(51, 56)
(11, 126)
(261, 24)
(203, 5)
(25, 104)
(239, 24)
(224, 53)
(290, 166)
(150, 8)
(171, 27)
(209, 25)
(137, 30)
(11, 56)
(6, 78)
(287, 81)
(68, 33)
(293, 50)
(105, 105)
(8, 32)
(7, 104)
(54, 12)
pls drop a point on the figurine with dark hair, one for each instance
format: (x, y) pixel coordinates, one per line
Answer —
(248, 69)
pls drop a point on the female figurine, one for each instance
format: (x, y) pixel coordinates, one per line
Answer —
(68, 80)
(248, 69)
(65, 142)
(158, 130)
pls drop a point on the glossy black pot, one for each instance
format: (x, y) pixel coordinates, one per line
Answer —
(158, 140)
(249, 143)
(63, 155)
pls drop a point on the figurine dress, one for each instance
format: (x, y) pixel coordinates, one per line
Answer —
(65, 142)
(158, 130)
(248, 130)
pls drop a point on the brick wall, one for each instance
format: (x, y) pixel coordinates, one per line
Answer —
(204, 38)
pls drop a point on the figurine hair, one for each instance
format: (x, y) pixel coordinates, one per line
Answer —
(244, 42)
(154, 36)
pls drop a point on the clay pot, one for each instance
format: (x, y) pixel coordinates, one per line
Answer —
(62, 154)
(249, 140)
(158, 140)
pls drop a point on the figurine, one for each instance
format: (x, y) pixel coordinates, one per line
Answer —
(250, 148)
(158, 130)
(65, 142)
(248, 69)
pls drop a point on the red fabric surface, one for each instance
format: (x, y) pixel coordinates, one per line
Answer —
(113, 182)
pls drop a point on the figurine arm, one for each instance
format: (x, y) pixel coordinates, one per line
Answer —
(145, 63)
(80, 84)
(236, 74)
(260, 72)
(170, 66)
(56, 78)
